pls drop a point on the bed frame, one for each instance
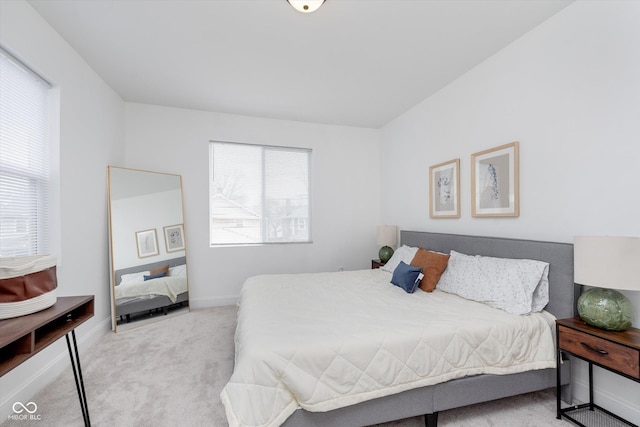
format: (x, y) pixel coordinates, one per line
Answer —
(428, 401)
(160, 302)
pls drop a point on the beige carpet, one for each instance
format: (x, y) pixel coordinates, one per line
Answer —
(170, 373)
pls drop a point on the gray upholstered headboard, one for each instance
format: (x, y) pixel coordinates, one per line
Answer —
(558, 255)
(172, 263)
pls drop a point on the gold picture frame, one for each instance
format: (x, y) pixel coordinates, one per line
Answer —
(495, 181)
(444, 190)
(174, 238)
(147, 243)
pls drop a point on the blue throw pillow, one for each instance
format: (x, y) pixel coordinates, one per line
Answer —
(155, 276)
(406, 277)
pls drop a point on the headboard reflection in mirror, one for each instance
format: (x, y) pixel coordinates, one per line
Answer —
(148, 250)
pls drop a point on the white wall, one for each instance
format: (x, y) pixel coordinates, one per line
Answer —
(147, 212)
(569, 92)
(91, 136)
(344, 193)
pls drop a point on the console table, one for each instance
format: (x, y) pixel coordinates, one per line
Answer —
(24, 336)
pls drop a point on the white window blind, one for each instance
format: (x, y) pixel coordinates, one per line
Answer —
(258, 194)
(24, 159)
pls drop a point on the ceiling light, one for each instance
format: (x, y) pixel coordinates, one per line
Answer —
(306, 6)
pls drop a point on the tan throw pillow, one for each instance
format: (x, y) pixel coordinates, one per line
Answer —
(159, 270)
(433, 265)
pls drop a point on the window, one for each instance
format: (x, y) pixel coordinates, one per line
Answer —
(24, 160)
(258, 194)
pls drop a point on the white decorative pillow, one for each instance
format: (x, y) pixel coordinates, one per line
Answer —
(403, 253)
(133, 277)
(504, 283)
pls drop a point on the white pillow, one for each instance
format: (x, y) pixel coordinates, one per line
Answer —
(504, 283)
(541, 294)
(178, 271)
(133, 277)
(403, 253)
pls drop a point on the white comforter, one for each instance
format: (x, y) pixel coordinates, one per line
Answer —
(168, 286)
(328, 340)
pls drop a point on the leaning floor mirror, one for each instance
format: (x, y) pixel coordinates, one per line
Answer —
(148, 250)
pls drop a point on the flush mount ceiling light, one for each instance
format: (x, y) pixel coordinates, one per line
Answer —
(306, 6)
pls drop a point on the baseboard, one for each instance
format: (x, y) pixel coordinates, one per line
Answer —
(212, 301)
(58, 361)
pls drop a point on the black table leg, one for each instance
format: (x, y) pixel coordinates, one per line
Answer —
(558, 375)
(77, 374)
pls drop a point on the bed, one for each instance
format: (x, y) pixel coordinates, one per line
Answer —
(387, 368)
(157, 294)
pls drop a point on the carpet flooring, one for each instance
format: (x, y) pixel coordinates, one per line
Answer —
(170, 373)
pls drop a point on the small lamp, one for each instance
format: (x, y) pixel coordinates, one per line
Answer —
(387, 237)
(607, 263)
(306, 6)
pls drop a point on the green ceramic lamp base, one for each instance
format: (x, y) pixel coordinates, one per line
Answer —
(605, 309)
(385, 253)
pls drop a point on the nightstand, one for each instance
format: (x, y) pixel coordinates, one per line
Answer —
(618, 352)
(376, 263)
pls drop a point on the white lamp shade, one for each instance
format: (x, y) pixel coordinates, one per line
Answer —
(607, 262)
(387, 235)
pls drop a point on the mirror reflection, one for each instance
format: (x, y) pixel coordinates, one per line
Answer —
(148, 256)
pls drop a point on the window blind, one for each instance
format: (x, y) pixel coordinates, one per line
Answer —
(24, 159)
(258, 194)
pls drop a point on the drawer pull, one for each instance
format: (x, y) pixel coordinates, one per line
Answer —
(588, 347)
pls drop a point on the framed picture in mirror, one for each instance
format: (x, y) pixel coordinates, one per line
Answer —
(174, 237)
(147, 242)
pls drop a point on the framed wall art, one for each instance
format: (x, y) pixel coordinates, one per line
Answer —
(174, 237)
(444, 190)
(147, 242)
(494, 182)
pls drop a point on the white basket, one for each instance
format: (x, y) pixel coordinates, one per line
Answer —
(27, 285)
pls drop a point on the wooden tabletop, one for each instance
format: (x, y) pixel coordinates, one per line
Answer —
(22, 337)
(630, 337)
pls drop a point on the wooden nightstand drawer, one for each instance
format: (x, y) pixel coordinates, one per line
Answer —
(606, 353)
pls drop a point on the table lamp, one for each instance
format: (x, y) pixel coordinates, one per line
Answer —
(607, 264)
(387, 237)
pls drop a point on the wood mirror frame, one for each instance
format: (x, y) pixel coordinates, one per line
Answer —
(147, 246)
